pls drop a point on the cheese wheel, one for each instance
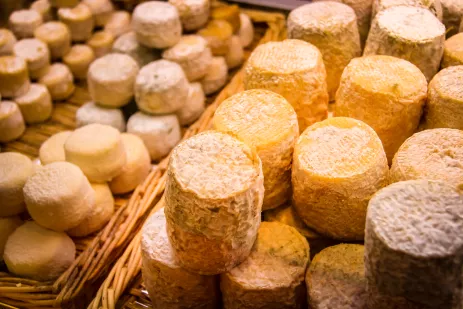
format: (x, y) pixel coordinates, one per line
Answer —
(340, 267)
(100, 213)
(338, 165)
(452, 15)
(64, 3)
(101, 42)
(193, 13)
(385, 92)
(413, 229)
(332, 28)
(295, 70)
(35, 105)
(157, 24)
(216, 76)
(97, 149)
(15, 169)
(118, 23)
(7, 41)
(111, 80)
(229, 13)
(36, 55)
(160, 133)
(453, 51)
(92, 113)
(38, 253)
(161, 87)
(267, 122)
(79, 59)
(11, 122)
(235, 55)
(218, 34)
(246, 32)
(80, 21)
(136, 168)
(43, 7)
(7, 226)
(57, 37)
(24, 22)
(101, 10)
(59, 81)
(214, 194)
(52, 150)
(194, 107)
(128, 44)
(410, 33)
(168, 284)
(272, 276)
(434, 6)
(192, 54)
(14, 77)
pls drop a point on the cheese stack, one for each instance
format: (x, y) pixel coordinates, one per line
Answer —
(57, 37)
(193, 13)
(434, 6)
(14, 77)
(452, 15)
(12, 124)
(453, 51)
(7, 41)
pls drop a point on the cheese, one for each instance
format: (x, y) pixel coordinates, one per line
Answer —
(80, 21)
(434, 6)
(194, 106)
(78, 60)
(295, 70)
(111, 80)
(410, 33)
(218, 34)
(128, 44)
(14, 77)
(338, 165)
(57, 37)
(161, 87)
(92, 113)
(160, 134)
(7, 41)
(461, 27)
(64, 3)
(216, 76)
(192, 54)
(332, 28)
(101, 42)
(193, 13)
(385, 92)
(11, 122)
(7, 227)
(267, 122)
(272, 276)
(168, 284)
(235, 55)
(101, 10)
(413, 229)
(35, 105)
(15, 169)
(24, 22)
(118, 23)
(43, 7)
(246, 32)
(97, 149)
(36, 55)
(157, 24)
(229, 13)
(214, 194)
(59, 81)
(452, 15)
(52, 150)
(453, 51)
(38, 253)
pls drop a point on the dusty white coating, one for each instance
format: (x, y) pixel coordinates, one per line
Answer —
(7, 227)
(193, 13)
(246, 32)
(118, 23)
(59, 81)
(80, 21)
(7, 41)
(78, 59)
(12, 124)
(101, 10)
(52, 150)
(93, 113)
(453, 51)
(57, 37)
(24, 22)
(235, 55)
(194, 106)
(216, 76)
(14, 76)
(434, 6)
(128, 44)
(36, 105)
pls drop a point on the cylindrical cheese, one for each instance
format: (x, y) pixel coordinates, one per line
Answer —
(229, 13)
(7, 41)
(43, 7)
(216, 76)
(295, 70)
(78, 60)
(338, 165)
(101, 42)
(64, 3)
(57, 36)
(453, 51)
(272, 276)
(434, 6)
(7, 226)
(414, 246)
(79, 19)
(235, 55)
(194, 106)
(193, 13)
(92, 113)
(332, 28)
(214, 194)
(52, 150)
(24, 22)
(452, 15)
(59, 81)
(128, 44)
(35, 105)
(218, 34)
(246, 32)
(410, 33)
(14, 77)
(118, 23)
(36, 55)
(385, 92)
(267, 122)
(101, 10)
(12, 124)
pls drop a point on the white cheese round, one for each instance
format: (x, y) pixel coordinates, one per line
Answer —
(36, 54)
(80, 21)
(101, 42)
(235, 55)
(43, 7)
(93, 113)
(36, 105)
(24, 22)
(216, 76)
(101, 10)
(12, 124)
(246, 32)
(128, 44)
(118, 23)
(7, 41)
(52, 150)
(57, 37)
(59, 81)
(78, 59)
(193, 13)
(194, 106)
(7, 226)
(14, 76)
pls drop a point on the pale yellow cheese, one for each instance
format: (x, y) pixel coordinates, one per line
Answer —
(101, 10)
(7, 41)
(59, 81)
(24, 22)
(246, 32)
(229, 13)
(118, 23)
(57, 36)
(80, 21)
(14, 76)
(7, 226)
(193, 13)
(218, 34)
(12, 124)
(43, 7)
(453, 51)
(216, 76)
(452, 15)
(52, 150)
(78, 59)
(36, 54)
(235, 55)
(101, 42)
(36, 104)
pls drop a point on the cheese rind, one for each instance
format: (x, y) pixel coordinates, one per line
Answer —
(43, 7)
(235, 55)
(24, 22)
(246, 32)
(78, 59)
(57, 37)
(35, 105)
(194, 106)
(453, 51)
(193, 13)
(118, 23)
(11, 122)
(59, 81)
(216, 76)
(452, 15)
(229, 13)
(128, 44)
(218, 34)
(7, 41)
(434, 6)
(7, 226)
(101, 42)
(14, 76)
(101, 10)
(36, 54)
(52, 150)
(80, 21)
(92, 113)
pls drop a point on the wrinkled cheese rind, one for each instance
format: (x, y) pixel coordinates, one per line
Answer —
(92, 113)
(452, 15)
(78, 59)
(24, 22)
(434, 6)
(246, 32)
(80, 21)
(453, 51)
(193, 13)
(52, 150)
(36, 55)
(7, 226)
(57, 36)
(59, 81)
(7, 41)
(36, 105)
(12, 124)
(216, 76)
(194, 106)
(128, 44)
(14, 76)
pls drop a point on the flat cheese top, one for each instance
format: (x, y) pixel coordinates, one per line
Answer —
(155, 12)
(35, 92)
(448, 83)
(52, 31)
(113, 67)
(31, 49)
(12, 65)
(159, 75)
(94, 113)
(93, 139)
(79, 53)
(433, 5)
(25, 17)
(8, 108)
(454, 46)
(127, 42)
(57, 72)
(101, 38)
(77, 13)
(189, 46)
(14, 167)
(144, 123)
(41, 6)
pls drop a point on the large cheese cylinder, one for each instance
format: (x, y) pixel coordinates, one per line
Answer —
(7, 41)
(295, 70)
(24, 22)
(80, 21)
(14, 77)
(193, 13)
(35, 105)
(214, 194)
(453, 51)
(266, 121)
(338, 165)
(128, 44)
(452, 15)
(385, 92)
(57, 36)
(332, 28)
(12, 124)
(434, 6)
(78, 59)
(414, 246)
(36, 55)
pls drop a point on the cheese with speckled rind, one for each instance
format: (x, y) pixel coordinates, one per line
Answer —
(93, 113)
(214, 195)
(7, 226)
(78, 59)
(267, 122)
(338, 165)
(15, 169)
(12, 124)
(24, 22)
(36, 104)
(101, 42)
(453, 51)
(194, 106)
(410, 33)
(128, 44)
(43, 7)
(52, 150)
(235, 55)
(80, 21)
(272, 276)
(332, 28)
(64, 3)
(36, 54)
(14, 76)
(434, 6)
(294, 69)
(452, 15)
(57, 36)
(193, 13)
(216, 76)
(169, 285)
(218, 34)
(118, 23)
(59, 81)
(385, 92)
(246, 32)
(7, 41)
(414, 246)
(101, 10)
(229, 13)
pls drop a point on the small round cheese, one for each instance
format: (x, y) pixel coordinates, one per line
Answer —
(7, 41)
(79, 19)
(101, 10)
(64, 3)
(192, 54)
(101, 42)
(157, 24)
(43, 7)
(159, 133)
(453, 51)
(93, 113)
(246, 32)
(15, 169)
(235, 55)
(79, 59)
(295, 70)
(218, 34)
(111, 80)
(59, 81)
(193, 13)
(128, 44)
(216, 76)
(14, 77)
(410, 33)
(273, 273)
(434, 6)
(118, 23)
(57, 36)
(194, 106)
(12, 124)
(36, 55)
(35, 105)
(52, 150)
(452, 15)
(214, 194)
(38, 253)
(229, 13)
(24, 22)
(7, 226)
(97, 149)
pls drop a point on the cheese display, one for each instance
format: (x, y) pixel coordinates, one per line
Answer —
(101, 10)
(295, 70)
(434, 6)
(128, 44)
(385, 92)
(14, 77)
(57, 37)
(35, 105)
(338, 165)
(101, 42)
(235, 55)
(80, 21)
(93, 113)
(98, 150)
(218, 34)
(52, 150)
(413, 229)
(193, 13)
(118, 23)
(64, 3)
(229, 13)
(246, 32)
(453, 51)
(214, 195)
(78, 60)
(267, 122)
(7, 41)
(452, 15)
(216, 76)
(194, 106)
(36, 55)
(43, 7)
(12, 124)
(272, 276)
(410, 33)
(7, 226)
(59, 81)
(24, 22)
(159, 133)
(111, 80)
(157, 24)
(169, 285)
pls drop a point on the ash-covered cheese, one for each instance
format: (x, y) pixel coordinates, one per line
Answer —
(193, 13)
(218, 34)
(93, 113)
(128, 44)
(452, 15)
(57, 37)
(24, 22)
(246, 32)
(43, 7)
(453, 51)
(432, 5)
(36, 54)
(36, 105)
(12, 124)
(14, 76)
(118, 23)
(229, 13)
(235, 55)
(80, 21)
(52, 150)
(194, 106)
(7, 41)
(214, 195)
(101, 42)
(59, 81)
(78, 60)
(216, 76)
(7, 226)
(101, 10)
